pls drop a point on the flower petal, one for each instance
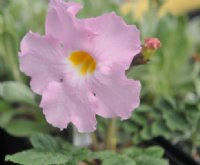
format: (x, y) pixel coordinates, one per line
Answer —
(116, 42)
(61, 105)
(41, 59)
(114, 94)
(71, 7)
(62, 25)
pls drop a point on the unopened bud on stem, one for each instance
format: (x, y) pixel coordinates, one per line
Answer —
(150, 46)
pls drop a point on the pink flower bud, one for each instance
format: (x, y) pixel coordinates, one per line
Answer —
(152, 43)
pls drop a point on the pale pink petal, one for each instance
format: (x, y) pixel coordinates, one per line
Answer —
(114, 94)
(116, 42)
(40, 59)
(71, 7)
(62, 25)
(62, 105)
(67, 96)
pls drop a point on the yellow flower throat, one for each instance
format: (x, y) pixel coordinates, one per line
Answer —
(83, 61)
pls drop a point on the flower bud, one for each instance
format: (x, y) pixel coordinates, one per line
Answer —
(152, 43)
(150, 46)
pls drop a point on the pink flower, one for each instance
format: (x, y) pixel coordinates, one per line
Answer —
(152, 43)
(79, 67)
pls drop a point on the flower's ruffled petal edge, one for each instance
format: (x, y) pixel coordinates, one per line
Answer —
(62, 24)
(114, 94)
(72, 7)
(39, 59)
(61, 106)
(116, 42)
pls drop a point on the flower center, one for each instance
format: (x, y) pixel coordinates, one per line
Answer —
(83, 61)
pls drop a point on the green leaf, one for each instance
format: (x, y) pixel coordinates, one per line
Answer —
(154, 151)
(1, 90)
(175, 120)
(193, 30)
(145, 133)
(49, 150)
(129, 127)
(16, 92)
(192, 116)
(4, 106)
(24, 127)
(45, 142)
(135, 152)
(109, 157)
(22, 123)
(147, 156)
(159, 128)
(148, 160)
(144, 108)
(34, 157)
(6, 117)
(139, 118)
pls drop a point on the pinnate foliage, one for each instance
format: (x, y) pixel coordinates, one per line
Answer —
(48, 150)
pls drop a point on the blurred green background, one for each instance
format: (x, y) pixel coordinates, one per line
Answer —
(170, 100)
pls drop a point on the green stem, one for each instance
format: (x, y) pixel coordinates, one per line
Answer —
(94, 141)
(10, 53)
(111, 138)
(12, 62)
